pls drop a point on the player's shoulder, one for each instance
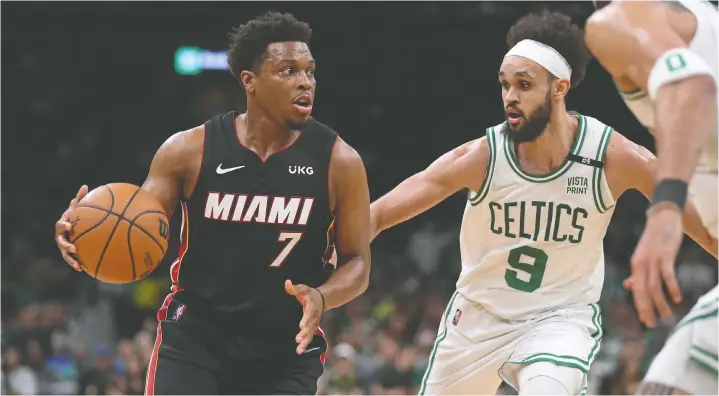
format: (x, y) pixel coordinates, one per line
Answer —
(598, 131)
(482, 144)
(481, 147)
(344, 157)
(183, 148)
(342, 152)
(346, 169)
(186, 142)
(476, 151)
(622, 153)
(478, 147)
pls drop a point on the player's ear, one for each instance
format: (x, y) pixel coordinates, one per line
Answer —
(247, 78)
(560, 87)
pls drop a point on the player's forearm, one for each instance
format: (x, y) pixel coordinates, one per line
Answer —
(686, 114)
(409, 199)
(694, 228)
(349, 281)
(375, 220)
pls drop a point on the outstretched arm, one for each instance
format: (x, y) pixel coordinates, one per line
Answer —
(463, 167)
(630, 166)
(350, 194)
(633, 40)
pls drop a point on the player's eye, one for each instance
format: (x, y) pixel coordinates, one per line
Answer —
(524, 84)
(311, 72)
(287, 71)
(505, 85)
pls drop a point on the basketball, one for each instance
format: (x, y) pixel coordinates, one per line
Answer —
(120, 233)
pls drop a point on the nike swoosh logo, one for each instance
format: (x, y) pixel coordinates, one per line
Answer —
(221, 171)
(310, 350)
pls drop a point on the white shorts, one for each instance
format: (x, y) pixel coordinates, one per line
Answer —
(688, 360)
(703, 190)
(475, 350)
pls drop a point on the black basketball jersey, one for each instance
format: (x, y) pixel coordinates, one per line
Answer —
(250, 225)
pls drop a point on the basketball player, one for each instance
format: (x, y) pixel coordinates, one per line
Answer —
(262, 194)
(663, 58)
(543, 186)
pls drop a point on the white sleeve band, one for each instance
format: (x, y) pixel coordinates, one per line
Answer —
(674, 65)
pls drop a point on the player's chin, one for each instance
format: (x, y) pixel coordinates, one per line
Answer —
(297, 122)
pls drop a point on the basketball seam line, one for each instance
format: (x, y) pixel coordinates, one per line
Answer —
(109, 239)
(129, 244)
(107, 214)
(132, 222)
(129, 247)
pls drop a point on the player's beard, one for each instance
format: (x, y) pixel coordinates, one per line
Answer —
(533, 127)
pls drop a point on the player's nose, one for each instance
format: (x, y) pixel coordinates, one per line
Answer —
(304, 81)
(511, 96)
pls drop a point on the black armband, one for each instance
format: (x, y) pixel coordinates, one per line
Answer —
(672, 191)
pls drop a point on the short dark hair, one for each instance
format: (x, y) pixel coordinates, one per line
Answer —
(250, 41)
(557, 31)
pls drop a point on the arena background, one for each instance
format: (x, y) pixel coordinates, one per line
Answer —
(90, 91)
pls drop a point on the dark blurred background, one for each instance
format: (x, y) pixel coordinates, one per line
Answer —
(91, 90)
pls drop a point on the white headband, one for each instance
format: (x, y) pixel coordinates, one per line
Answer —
(544, 55)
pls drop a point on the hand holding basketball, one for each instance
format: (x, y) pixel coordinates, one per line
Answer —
(117, 233)
(63, 226)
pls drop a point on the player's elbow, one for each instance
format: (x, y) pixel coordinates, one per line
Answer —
(363, 278)
(594, 29)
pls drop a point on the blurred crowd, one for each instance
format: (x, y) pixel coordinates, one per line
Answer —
(91, 102)
(64, 333)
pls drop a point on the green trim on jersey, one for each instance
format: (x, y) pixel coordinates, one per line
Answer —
(704, 358)
(568, 360)
(484, 188)
(534, 178)
(703, 365)
(707, 310)
(597, 176)
(439, 339)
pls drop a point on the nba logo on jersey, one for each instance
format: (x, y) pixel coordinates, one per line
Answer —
(178, 312)
(457, 316)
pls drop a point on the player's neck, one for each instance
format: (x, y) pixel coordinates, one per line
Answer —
(550, 150)
(263, 135)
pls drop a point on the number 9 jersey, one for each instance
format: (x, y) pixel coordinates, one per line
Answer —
(532, 243)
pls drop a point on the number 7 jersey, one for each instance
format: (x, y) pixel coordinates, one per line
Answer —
(249, 226)
(532, 243)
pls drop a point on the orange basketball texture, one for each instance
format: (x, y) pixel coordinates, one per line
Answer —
(120, 232)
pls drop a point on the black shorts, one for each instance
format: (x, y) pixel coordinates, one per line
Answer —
(186, 361)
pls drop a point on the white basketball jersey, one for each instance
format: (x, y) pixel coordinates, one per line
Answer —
(705, 44)
(533, 243)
